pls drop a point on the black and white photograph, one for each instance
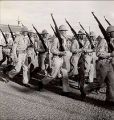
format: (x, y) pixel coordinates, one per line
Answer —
(56, 60)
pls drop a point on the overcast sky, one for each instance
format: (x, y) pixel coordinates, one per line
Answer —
(38, 13)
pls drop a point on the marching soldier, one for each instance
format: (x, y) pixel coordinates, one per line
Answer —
(105, 68)
(84, 59)
(76, 52)
(93, 58)
(58, 60)
(20, 53)
(67, 46)
(6, 51)
(42, 54)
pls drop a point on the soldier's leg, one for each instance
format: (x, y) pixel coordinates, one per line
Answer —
(56, 68)
(4, 58)
(110, 85)
(102, 72)
(88, 59)
(91, 73)
(81, 71)
(66, 87)
(26, 74)
(74, 67)
(67, 60)
(26, 70)
(17, 68)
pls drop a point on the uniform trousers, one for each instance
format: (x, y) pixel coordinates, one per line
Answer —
(22, 62)
(56, 69)
(105, 70)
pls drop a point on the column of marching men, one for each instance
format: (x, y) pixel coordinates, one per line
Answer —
(98, 66)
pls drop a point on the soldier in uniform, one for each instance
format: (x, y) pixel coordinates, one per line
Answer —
(20, 47)
(105, 69)
(84, 59)
(58, 60)
(93, 58)
(67, 46)
(7, 49)
(76, 52)
(42, 54)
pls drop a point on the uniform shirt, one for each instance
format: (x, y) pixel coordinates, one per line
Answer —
(66, 42)
(40, 45)
(102, 49)
(10, 42)
(2, 42)
(55, 46)
(75, 47)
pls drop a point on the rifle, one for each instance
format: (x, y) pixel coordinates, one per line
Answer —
(40, 37)
(31, 42)
(53, 30)
(58, 34)
(75, 34)
(4, 36)
(29, 38)
(107, 21)
(11, 33)
(92, 46)
(103, 31)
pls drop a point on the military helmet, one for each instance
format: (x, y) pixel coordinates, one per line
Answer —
(44, 32)
(92, 33)
(110, 29)
(81, 32)
(24, 29)
(30, 31)
(62, 28)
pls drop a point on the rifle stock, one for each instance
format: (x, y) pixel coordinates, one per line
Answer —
(11, 33)
(58, 34)
(74, 33)
(92, 46)
(103, 31)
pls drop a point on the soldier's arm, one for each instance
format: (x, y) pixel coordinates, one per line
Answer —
(102, 50)
(40, 47)
(87, 47)
(54, 47)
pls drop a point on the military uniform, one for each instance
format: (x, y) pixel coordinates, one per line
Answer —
(92, 72)
(42, 54)
(76, 52)
(20, 53)
(104, 69)
(6, 49)
(58, 60)
(67, 47)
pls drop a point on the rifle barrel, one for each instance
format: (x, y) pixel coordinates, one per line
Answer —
(58, 34)
(103, 31)
(107, 21)
(74, 33)
(40, 37)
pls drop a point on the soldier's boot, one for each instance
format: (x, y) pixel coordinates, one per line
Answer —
(83, 94)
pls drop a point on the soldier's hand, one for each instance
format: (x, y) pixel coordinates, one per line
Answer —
(62, 53)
